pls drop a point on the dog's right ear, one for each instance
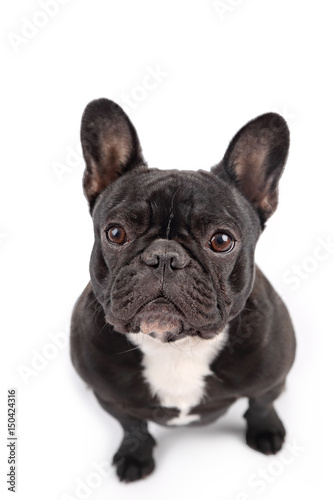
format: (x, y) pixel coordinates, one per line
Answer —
(110, 146)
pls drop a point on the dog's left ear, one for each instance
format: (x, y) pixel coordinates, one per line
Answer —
(110, 146)
(254, 161)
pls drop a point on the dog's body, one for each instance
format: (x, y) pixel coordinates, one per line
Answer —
(177, 322)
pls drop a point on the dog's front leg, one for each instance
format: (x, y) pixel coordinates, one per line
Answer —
(265, 431)
(134, 458)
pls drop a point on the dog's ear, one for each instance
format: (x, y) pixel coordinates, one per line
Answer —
(110, 146)
(255, 159)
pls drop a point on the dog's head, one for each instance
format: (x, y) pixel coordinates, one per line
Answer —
(174, 250)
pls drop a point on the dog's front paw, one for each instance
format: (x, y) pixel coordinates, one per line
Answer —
(264, 433)
(269, 442)
(132, 469)
(134, 459)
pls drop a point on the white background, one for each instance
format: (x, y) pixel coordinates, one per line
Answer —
(219, 71)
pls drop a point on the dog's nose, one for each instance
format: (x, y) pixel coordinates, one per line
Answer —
(163, 253)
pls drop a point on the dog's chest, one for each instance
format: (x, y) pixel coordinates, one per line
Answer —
(175, 372)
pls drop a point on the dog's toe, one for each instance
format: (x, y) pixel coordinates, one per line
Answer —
(130, 469)
(266, 442)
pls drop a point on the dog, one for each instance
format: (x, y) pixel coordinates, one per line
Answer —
(177, 321)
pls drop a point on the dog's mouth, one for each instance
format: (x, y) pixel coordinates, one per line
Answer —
(160, 319)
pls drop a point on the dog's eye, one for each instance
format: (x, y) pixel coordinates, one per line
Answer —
(222, 242)
(116, 235)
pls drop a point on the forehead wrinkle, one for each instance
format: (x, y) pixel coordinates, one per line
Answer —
(171, 215)
(171, 205)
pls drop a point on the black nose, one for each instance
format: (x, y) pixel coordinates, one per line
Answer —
(165, 253)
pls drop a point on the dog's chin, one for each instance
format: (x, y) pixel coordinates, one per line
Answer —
(159, 319)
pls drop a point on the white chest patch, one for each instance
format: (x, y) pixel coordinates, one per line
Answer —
(176, 371)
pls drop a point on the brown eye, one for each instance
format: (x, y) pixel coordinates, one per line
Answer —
(116, 235)
(222, 242)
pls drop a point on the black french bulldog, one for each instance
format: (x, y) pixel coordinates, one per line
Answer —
(177, 322)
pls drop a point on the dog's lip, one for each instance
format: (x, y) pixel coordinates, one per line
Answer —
(160, 300)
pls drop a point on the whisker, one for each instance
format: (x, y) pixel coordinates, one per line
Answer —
(130, 350)
(199, 340)
(175, 346)
(91, 303)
